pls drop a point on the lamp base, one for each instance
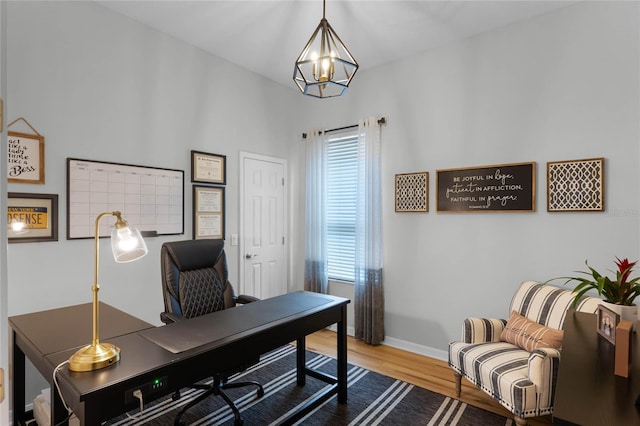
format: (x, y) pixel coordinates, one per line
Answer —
(94, 357)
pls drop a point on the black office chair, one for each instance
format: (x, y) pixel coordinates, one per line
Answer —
(195, 282)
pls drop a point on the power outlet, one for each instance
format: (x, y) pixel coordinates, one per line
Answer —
(147, 389)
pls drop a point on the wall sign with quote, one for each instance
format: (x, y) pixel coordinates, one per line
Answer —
(208, 212)
(25, 156)
(412, 192)
(576, 185)
(32, 217)
(150, 198)
(498, 188)
(208, 168)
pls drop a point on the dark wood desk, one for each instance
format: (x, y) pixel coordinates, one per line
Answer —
(232, 336)
(588, 393)
(40, 334)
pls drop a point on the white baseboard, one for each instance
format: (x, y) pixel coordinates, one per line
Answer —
(406, 346)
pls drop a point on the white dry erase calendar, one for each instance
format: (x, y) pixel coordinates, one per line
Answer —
(149, 198)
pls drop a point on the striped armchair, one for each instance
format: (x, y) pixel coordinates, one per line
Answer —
(522, 381)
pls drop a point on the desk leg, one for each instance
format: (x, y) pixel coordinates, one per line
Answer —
(18, 387)
(301, 362)
(342, 357)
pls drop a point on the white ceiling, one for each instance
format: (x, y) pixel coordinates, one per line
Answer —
(266, 36)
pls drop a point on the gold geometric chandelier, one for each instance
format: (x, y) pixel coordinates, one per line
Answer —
(325, 67)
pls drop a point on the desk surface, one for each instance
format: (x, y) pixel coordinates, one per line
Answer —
(139, 355)
(588, 393)
(214, 328)
(216, 342)
(66, 331)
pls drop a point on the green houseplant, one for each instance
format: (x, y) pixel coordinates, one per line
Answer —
(619, 291)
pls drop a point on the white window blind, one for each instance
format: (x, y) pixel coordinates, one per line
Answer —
(342, 158)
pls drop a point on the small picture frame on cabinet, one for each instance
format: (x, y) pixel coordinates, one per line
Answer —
(607, 323)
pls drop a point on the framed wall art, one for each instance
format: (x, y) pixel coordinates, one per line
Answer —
(32, 217)
(576, 185)
(208, 212)
(499, 188)
(208, 168)
(25, 158)
(412, 192)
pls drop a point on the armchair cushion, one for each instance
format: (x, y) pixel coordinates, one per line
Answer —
(530, 335)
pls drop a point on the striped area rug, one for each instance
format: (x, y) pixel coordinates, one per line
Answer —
(372, 399)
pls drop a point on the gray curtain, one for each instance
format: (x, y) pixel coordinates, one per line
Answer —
(369, 291)
(315, 265)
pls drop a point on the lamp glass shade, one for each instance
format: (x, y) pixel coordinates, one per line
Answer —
(127, 244)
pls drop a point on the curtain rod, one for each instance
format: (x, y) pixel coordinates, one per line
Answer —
(381, 121)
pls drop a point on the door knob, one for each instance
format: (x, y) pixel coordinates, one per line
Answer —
(249, 255)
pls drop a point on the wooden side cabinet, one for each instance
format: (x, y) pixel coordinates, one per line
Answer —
(588, 392)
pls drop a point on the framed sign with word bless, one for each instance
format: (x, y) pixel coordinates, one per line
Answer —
(498, 188)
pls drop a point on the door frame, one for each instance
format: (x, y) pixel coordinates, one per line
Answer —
(285, 211)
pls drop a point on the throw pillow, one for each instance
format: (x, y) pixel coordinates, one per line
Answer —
(530, 335)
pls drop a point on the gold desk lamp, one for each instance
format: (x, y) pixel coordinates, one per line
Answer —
(127, 245)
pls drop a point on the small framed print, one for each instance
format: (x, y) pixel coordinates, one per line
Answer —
(412, 192)
(208, 168)
(32, 217)
(25, 158)
(607, 323)
(208, 212)
(575, 186)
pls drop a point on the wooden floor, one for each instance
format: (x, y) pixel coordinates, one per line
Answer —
(428, 373)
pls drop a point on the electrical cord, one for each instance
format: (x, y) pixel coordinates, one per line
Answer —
(138, 394)
(55, 382)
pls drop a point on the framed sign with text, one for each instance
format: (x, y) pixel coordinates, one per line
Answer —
(498, 188)
(208, 168)
(208, 212)
(32, 217)
(25, 158)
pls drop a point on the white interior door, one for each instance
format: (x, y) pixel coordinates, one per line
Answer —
(263, 226)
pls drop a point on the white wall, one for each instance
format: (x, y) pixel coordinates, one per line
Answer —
(558, 87)
(103, 87)
(562, 86)
(100, 86)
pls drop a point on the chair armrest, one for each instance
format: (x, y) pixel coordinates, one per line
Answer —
(243, 299)
(543, 370)
(482, 330)
(168, 317)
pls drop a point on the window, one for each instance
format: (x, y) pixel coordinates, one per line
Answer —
(342, 167)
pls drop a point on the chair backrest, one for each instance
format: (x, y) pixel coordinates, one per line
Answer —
(547, 305)
(195, 277)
